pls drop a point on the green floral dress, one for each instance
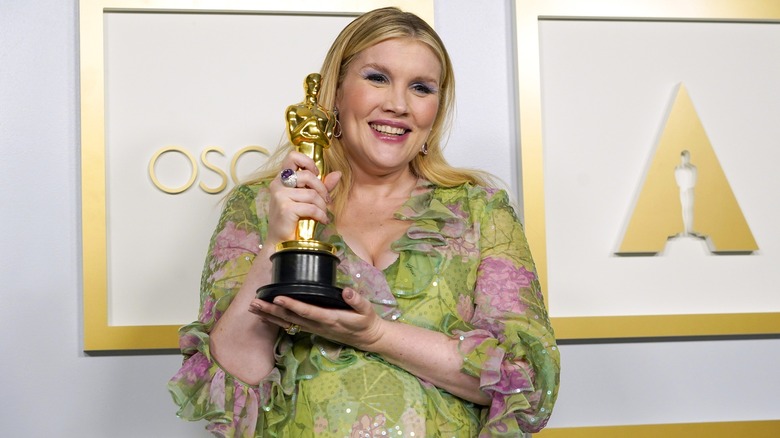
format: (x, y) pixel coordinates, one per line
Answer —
(464, 269)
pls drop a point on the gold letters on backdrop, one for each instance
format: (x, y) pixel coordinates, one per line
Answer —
(685, 192)
(194, 168)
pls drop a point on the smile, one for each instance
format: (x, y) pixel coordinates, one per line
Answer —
(384, 129)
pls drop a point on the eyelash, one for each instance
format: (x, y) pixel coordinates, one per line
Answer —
(424, 89)
(376, 77)
(380, 78)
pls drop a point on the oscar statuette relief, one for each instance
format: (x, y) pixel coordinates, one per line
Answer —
(304, 268)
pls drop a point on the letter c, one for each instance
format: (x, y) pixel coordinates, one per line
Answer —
(238, 155)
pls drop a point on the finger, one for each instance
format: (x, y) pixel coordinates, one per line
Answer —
(292, 179)
(298, 161)
(305, 179)
(356, 301)
(309, 206)
(271, 313)
(294, 204)
(310, 180)
(298, 311)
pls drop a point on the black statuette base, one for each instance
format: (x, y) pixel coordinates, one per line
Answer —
(305, 275)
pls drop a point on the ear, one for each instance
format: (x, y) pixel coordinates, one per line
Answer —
(337, 99)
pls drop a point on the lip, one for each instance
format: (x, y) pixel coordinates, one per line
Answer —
(393, 124)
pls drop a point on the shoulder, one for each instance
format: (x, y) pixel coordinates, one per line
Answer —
(251, 188)
(474, 195)
(245, 195)
(475, 203)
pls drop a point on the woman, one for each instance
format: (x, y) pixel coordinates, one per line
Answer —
(448, 335)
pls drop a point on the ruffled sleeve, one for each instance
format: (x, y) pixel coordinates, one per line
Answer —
(201, 388)
(512, 348)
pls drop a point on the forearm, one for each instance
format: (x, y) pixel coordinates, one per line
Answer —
(431, 356)
(241, 342)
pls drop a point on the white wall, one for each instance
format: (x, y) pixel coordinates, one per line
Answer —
(49, 387)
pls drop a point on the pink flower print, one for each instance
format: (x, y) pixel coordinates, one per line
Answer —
(491, 368)
(453, 228)
(499, 285)
(208, 310)
(194, 370)
(413, 423)
(457, 210)
(371, 283)
(320, 425)
(188, 342)
(516, 376)
(366, 427)
(262, 200)
(465, 307)
(472, 236)
(425, 384)
(491, 191)
(231, 242)
(220, 429)
(466, 244)
(216, 275)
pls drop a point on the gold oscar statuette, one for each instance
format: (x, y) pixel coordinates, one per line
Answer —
(304, 268)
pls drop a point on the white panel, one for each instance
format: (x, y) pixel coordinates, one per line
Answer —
(606, 89)
(192, 81)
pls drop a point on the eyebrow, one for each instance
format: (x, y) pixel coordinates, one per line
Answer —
(384, 69)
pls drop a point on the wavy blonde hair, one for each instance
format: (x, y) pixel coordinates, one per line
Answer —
(366, 31)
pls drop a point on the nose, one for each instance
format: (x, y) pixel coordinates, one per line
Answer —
(395, 100)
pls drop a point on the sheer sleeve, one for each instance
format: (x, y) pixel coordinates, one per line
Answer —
(201, 388)
(512, 348)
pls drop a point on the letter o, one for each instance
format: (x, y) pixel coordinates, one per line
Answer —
(153, 174)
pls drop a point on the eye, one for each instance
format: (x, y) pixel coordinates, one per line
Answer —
(378, 78)
(421, 88)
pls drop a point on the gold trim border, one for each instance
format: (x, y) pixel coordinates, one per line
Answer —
(527, 16)
(98, 334)
(752, 429)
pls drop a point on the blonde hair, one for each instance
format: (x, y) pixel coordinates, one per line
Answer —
(366, 31)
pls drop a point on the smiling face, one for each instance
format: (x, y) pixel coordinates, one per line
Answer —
(387, 104)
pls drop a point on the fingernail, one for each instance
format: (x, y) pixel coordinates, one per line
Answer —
(348, 294)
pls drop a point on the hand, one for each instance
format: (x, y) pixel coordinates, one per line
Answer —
(428, 354)
(309, 200)
(361, 328)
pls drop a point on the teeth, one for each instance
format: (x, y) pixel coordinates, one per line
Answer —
(384, 129)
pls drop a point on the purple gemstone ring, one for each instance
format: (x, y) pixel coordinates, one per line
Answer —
(289, 178)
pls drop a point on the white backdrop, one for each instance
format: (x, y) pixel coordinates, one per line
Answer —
(51, 388)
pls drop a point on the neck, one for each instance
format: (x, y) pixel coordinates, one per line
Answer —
(383, 187)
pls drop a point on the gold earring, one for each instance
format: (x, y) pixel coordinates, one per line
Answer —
(337, 129)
